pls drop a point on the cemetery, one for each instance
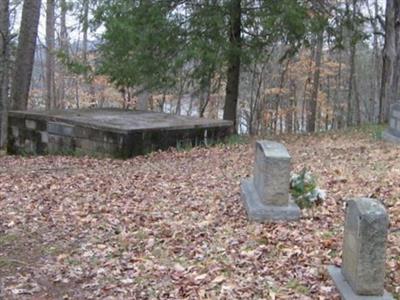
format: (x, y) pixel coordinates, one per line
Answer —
(207, 222)
(199, 150)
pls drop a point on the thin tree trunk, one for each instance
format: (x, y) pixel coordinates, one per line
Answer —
(303, 107)
(77, 100)
(250, 115)
(206, 102)
(164, 94)
(85, 29)
(179, 102)
(4, 70)
(290, 110)
(50, 60)
(233, 72)
(350, 89)
(312, 110)
(376, 62)
(190, 109)
(254, 102)
(143, 100)
(352, 93)
(357, 109)
(278, 107)
(25, 54)
(353, 68)
(206, 95)
(64, 49)
(306, 83)
(338, 107)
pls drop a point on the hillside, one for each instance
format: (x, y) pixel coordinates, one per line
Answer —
(172, 225)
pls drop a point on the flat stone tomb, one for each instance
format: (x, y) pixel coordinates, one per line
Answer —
(266, 194)
(393, 132)
(115, 132)
(364, 246)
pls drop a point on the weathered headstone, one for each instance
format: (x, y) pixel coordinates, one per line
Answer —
(266, 194)
(364, 250)
(393, 132)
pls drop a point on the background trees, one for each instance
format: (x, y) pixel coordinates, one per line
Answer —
(270, 66)
(208, 37)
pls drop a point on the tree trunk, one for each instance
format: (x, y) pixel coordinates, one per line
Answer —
(85, 29)
(64, 49)
(338, 107)
(354, 71)
(388, 55)
(354, 86)
(143, 100)
(4, 70)
(50, 60)
(255, 102)
(394, 95)
(353, 108)
(233, 73)
(376, 63)
(312, 110)
(291, 109)
(25, 54)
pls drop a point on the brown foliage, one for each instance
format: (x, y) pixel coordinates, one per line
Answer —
(172, 226)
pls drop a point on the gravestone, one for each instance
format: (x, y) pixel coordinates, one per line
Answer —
(266, 194)
(364, 250)
(393, 132)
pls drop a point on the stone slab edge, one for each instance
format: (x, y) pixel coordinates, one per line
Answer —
(346, 292)
(259, 212)
(66, 118)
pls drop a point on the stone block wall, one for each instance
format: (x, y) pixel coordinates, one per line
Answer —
(38, 134)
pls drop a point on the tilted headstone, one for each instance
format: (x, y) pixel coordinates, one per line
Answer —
(266, 194)
(393, 132)
(364, 251)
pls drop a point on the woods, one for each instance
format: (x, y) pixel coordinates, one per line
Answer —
(286, 66)
(199, 149)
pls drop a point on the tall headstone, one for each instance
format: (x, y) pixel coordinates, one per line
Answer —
(393, 132)
(364, 251)
(266, 194)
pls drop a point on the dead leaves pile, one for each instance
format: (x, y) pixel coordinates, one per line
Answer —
(172, 226)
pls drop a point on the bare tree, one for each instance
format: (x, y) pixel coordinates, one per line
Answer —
(50, 60)
(4, 70)
(85, 29)
(311, 122)
(374, 16)
(25, 54)
(64, 49)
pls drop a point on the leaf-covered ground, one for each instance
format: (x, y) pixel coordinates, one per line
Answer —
(172, 226)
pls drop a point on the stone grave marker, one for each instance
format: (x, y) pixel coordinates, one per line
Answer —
(266, 194)
(393, 132)
(364, 251)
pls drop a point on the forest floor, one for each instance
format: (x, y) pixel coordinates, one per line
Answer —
(171, 225)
